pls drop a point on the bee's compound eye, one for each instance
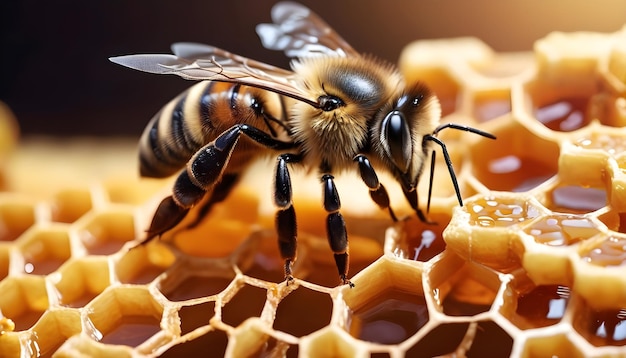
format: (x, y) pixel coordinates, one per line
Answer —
(329, 103)
(396, 138)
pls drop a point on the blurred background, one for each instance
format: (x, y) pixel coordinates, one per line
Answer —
(56, 77)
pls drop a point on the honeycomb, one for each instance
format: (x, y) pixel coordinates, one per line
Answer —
(534, 263)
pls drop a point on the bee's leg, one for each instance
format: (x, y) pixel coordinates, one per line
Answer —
(218, 194)
(411, 197)
(173, 209)
(203, 171)
(378, 193)
(336, 228)
(286, 225)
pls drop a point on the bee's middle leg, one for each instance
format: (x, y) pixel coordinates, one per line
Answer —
(336, 228)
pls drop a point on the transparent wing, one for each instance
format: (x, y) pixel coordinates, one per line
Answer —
(203, 62)
(299, 32)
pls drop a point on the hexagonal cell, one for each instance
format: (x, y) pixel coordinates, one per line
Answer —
(265, 262)
(532, 306)
(23, 300)
(575, 199)
(461, 288)
(124, 315)
(69, 205)
(414, 240)
(131, 189)
(104, 233)
(331, 342)
(212, 344)
(481, 230)
(195, 316)
(143, 263)
(44, 249)
(490, 340)
(54, 328)
(247, 302)
(387, 305)
(600, 327)
(517, 160)
(303, 311)
(559, 345)
(15, 217)
(495, 211)
(490, 104)
(599, 273)
(78, 281)
(562, 229)
(186, 283)
(442, 340)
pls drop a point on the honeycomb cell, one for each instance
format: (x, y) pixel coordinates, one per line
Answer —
(23, 300)
(44, 249)
(490, 104)
(486, 334)
(194, 316)
(124, 315)
(131, 189)
(561, 230)
(15, 217)
(266, 263)
(442, 340)
(493, 211)
(104, 233)
(414, 240)
(601, 327)
(563, 114)
(303, 311)
(461, 288)
(78, 281)
(331, 342)
(559, 345)
(517, 161)
(188, 281)
(608, 252)
(213, 343)
(531, 306)
(69, 205)
(142, 264)
(247, 302)
(52, 330)
(575, 199)
(389, 305)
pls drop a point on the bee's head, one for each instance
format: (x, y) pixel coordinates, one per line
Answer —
(398, 131)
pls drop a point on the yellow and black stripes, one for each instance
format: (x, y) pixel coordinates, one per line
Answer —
(198, 116)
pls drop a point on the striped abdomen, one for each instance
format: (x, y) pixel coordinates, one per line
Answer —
(197, 116)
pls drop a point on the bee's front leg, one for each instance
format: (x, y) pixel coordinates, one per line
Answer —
(378, 193)
(336, 228)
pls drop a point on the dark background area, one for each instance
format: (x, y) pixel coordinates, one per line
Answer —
(56, 77)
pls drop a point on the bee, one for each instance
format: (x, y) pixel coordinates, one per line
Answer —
(335, 110)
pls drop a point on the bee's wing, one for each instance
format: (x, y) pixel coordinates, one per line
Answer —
(203, 62)
(299, 32)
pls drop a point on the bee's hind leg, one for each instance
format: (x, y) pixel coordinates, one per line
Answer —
(173, 209)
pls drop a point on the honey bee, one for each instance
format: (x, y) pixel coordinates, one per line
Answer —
(336, 110)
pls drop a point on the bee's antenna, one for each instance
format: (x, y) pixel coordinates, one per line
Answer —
(430, 183)
(464, 128)
(446, 157)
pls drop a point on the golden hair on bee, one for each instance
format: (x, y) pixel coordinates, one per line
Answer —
(362, 83)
